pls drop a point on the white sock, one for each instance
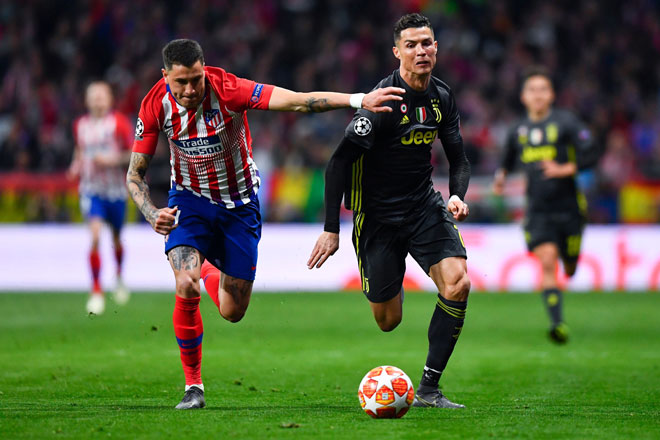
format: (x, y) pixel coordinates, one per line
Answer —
(198, 385)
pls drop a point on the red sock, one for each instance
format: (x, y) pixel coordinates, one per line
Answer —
(189, 331)
(119, 258)
(95, 265)
(211, 276)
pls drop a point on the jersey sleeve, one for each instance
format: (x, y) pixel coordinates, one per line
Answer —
(508, 161)
(124, 131)
(148, 123)
(75, 126)
(239, 94)
(363, 128)
(449, 132)
(580, 137)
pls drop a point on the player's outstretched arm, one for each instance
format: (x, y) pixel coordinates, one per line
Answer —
(315, 102)
(162, 220)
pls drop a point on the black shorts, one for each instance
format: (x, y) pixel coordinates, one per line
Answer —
(562, 228)
(382, 248)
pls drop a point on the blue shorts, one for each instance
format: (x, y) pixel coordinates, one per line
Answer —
(228, 238)
(111, 211)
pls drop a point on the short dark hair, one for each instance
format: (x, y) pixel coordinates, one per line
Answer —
(413, 20)
(183, 51)
(535, 70)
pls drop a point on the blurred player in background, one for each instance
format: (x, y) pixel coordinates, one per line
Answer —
(213, 211)
(382, 168)
(103, 143)
(552, 145)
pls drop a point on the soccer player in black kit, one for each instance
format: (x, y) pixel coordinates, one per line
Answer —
(551, 145)
(382, 168)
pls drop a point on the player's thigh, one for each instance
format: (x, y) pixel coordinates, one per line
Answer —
(234, 249)
(548, 254)
(235, 293)
(381, 254)
(435, 238)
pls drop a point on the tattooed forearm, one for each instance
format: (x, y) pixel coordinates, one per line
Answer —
(138, 188)
(185, 258)
(318, 105)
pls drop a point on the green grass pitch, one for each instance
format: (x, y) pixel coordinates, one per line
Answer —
(291, 368)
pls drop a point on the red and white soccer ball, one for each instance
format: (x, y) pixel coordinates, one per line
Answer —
(386, 392)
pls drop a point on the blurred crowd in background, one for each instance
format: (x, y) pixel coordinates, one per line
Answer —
(605, 56)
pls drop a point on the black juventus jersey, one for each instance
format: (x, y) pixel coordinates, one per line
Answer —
(392, 175)
(560, 137)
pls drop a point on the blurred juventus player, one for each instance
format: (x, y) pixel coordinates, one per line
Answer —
(103, 142)
(382, 168)
(213, 213)
(551, 145)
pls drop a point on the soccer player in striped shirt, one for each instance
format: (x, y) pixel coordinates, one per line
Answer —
(213, 213)
(103, 142)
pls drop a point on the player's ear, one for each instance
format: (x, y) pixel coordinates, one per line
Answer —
(164, 72)
(395, 51)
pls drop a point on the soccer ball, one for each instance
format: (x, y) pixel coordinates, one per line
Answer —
(386, 392)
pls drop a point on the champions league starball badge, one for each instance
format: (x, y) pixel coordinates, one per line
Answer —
(362, 126)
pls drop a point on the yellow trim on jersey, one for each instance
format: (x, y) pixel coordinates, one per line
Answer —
(358, 222)
(570, 151)
(356, 184)
(582, 203)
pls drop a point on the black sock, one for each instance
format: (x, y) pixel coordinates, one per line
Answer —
(444, 330)
(552, 298)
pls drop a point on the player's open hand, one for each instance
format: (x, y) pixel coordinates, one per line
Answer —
(458, 208)
(165, 220)
(374, 100)
(326, 245)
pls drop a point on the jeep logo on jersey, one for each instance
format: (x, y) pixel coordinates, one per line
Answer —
(419, 137)
(362, 126)
(199, 146)
(213, 117)
(139, 129)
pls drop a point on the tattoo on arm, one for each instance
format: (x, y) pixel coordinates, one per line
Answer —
(137, 186)
(319, 105)
(185, 258)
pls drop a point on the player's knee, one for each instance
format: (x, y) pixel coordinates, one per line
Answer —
(233, 316)
(459, 290)
(388, 324)
(187, 286)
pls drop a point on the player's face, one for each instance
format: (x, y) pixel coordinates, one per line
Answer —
(417, 50)
(98, 99)
(537, 94)
(186, 83)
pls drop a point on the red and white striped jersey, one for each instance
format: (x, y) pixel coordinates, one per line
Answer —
(108, 135)
(210, 146)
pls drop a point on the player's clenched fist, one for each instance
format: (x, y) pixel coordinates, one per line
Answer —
(458, 208)
(164, 220)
